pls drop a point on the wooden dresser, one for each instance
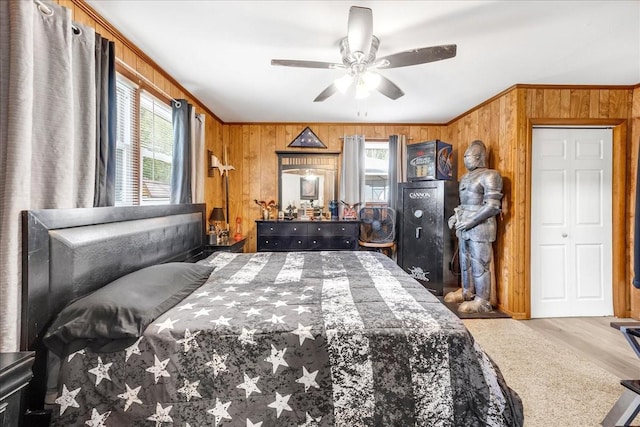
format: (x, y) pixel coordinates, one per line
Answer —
(297, 235)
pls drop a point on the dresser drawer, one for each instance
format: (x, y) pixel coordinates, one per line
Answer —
(307, 235)
(282, 243)
(282, 229)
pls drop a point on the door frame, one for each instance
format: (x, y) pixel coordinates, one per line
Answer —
(621, 292)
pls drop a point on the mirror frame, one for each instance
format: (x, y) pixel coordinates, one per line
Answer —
(327, 160)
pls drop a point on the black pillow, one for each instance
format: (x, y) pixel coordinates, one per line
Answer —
(112, 317)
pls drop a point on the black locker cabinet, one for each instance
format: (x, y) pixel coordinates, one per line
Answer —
(425, 243)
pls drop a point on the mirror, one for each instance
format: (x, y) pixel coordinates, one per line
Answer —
(307, 180)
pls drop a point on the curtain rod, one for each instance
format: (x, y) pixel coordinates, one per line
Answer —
(49, 12)
(152, 84)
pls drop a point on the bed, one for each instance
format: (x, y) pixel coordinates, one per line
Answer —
(257, 339)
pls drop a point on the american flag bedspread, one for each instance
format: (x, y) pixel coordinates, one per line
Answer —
(294, 339)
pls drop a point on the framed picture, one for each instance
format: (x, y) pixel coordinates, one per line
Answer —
(309, 188)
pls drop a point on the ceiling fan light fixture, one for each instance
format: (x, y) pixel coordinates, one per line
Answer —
(371, 80)
(361, 89)
(343, 83)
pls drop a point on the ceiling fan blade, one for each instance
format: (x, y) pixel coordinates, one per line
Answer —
(306, 64)
(360, 31)
(330, 90)
(417, 56)
(389, 89)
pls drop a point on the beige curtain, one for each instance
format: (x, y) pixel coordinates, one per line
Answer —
(397, 166)
(48, 125)
(352, 176)
(198, 157)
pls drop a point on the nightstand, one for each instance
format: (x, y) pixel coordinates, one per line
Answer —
(15, 374)
(227, 245)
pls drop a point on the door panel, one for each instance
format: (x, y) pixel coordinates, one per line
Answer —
(571, 222)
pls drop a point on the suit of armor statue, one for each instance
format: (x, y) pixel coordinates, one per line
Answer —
(475, 224)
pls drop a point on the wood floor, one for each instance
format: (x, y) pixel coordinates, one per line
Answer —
(594, 339)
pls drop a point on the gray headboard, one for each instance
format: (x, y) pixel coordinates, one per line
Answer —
(68, 253)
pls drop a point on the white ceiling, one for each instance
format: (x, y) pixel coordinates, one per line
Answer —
(220, 51)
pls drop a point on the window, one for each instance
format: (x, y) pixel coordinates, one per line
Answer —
(144, 149)
(376, 171)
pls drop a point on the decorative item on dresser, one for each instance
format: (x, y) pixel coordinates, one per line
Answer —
(216, 219)
(15, 374)
(300, 235)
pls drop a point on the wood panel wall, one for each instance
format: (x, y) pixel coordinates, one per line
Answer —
(253, 147)
(634, 161)
(504, 124)
(494, 124)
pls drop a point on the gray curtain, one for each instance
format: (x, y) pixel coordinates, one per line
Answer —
(198, 157)
(352, 177)
(181, 167)
(397, 166)
(48, 123)
(106, 126)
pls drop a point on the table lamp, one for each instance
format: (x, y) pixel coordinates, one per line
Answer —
(215, 220)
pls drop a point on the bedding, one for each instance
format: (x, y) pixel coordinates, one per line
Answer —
(117, 313)
(293, 339)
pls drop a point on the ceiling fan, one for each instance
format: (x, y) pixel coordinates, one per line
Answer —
(359, 50)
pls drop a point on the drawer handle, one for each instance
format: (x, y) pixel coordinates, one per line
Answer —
(271, 228)
(299, 242)
(295, 228)
(315, 241)
(343, 228)
(319, 229)
(266, 241)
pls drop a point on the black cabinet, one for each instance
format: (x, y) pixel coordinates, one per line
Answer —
(15, 374)
(298, 235)
(226, 245)
(426, 245)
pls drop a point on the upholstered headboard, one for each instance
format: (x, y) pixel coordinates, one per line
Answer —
(68, 253)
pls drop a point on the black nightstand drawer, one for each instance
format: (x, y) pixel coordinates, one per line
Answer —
(15, 374)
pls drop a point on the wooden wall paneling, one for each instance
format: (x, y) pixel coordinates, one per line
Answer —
(565, 103)
(281, 142)
(322, 132)
(519, 221)
(511, 264)
(619, 103)
(551, 102)
(594, 103)
(634, 152)
(603, 108)
(580, 103)
(82, 17)
(334, 143)
(598, 106)
(620, 281)
(68, 4)
(235, 153)
(268, 163)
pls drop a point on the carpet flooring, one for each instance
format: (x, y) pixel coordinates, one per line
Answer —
(557, 387)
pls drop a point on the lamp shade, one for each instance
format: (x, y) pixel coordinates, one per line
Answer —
(217, 214)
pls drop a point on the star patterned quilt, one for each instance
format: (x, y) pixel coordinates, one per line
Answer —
(293, 339)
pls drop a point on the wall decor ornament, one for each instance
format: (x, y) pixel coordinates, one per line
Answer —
(307, 139)
(309, 187)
